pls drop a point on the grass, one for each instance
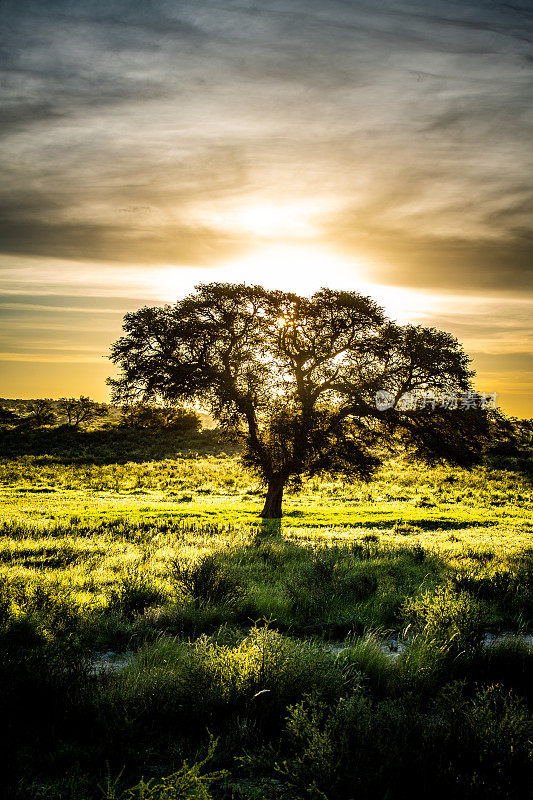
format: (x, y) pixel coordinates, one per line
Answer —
(229, 691)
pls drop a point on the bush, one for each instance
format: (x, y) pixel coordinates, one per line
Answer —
(8, 417)
(509, 586)
(357, 748)
(331, 580)
(143, 415)
(208, 582)
(134, 594)
(81, 410)
(423, 667)
(190, 782)
(365, 661)
(39, 414)
(41, 688)
(469, 749)
(211, 684)
(446, 616)
(507, 661)
(49, 603)
(489, 747)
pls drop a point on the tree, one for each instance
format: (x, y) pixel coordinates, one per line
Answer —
(509, 435)
(8, 417)
(40, 413)
(296, 379)
(155, 417)
(81, 410)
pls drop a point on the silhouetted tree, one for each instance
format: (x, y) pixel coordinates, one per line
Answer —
(8, 417)
(154, 417)
(81, 410)
(40, 412)
(296, 379)
(509, 435)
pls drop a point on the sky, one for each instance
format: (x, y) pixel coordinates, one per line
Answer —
(384, 147)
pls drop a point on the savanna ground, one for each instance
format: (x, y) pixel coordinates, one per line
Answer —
(232, 683)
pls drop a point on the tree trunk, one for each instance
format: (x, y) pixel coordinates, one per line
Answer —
(274, 498)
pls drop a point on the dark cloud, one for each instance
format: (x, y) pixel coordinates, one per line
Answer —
(126, 244)
(442, 262)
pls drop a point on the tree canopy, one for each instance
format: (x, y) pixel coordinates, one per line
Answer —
(81, 410)
(310, 384)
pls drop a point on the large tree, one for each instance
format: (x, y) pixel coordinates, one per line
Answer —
(296, 378)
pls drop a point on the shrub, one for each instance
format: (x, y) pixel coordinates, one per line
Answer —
(39, 414)
(357, 748)
(209, 581)
(190, 782)
(81, 410)
(330, 580)
(509, 586)
(446, 616)
(365, 661)
(134, 594)
(152, 417)
(490, 742)
(470, 749)
(210, 684)
(423, 667)
(49, 602)
(507, 661)
(41, 688)
(8, 417)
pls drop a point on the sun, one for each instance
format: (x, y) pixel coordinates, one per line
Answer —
(303, 269)
(274, 221)
(296, 219)
(296, 268)
(290, 267)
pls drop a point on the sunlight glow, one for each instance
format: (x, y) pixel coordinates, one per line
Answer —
(301, 269)
(273, 220)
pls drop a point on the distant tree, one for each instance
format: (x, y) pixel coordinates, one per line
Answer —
(81, 410)
(523, 431)
(296, 379)
(509, 435)
(154, 417)
(39, 413)
(8, 417)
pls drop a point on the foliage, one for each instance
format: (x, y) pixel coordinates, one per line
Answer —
(509, 435)
(209, 581)
(39, 413)
(81, 410)
(154, 417)
(8, 417)
(365, 661)
(361, 747)
(190, 782)
(295, 717)
(330, 578)
(444, 615)
(134, 594)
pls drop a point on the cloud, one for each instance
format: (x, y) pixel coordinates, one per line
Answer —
(412, 120)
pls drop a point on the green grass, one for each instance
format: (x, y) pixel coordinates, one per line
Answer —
(168, 559)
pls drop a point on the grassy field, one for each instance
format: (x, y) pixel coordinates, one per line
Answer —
(230, 688)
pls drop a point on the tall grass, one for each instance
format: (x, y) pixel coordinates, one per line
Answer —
(223, 626)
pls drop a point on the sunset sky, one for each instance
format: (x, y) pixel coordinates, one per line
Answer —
(385, 147)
